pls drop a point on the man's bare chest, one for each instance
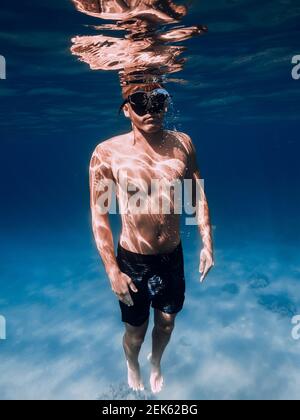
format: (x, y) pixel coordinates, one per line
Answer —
(142, 169)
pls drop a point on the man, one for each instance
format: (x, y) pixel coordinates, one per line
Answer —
(148, 268)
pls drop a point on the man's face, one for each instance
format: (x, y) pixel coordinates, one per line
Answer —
(149, 123)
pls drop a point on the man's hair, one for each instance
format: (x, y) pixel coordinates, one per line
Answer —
(147, 87)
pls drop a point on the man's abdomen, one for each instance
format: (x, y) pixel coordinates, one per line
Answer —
(150, 234)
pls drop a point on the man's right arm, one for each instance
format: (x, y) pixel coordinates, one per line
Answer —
(101, 179)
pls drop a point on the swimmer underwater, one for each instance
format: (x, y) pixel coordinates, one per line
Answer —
(148, 269)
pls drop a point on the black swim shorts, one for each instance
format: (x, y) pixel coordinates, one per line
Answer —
(160, 282)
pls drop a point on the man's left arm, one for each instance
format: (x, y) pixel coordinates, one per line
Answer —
(202, 211)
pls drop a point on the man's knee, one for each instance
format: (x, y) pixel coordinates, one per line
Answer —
(135, 339)
(165, 326)
(136, 335)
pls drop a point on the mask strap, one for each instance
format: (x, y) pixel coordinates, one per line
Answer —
(122, 106)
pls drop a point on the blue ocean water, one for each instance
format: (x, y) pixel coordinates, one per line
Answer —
(241, 107)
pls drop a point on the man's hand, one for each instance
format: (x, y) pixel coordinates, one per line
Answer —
(120, 284)
(206, 263)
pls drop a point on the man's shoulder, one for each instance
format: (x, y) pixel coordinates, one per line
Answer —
(184, 140)
(107, 147)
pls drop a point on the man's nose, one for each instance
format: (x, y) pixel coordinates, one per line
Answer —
(155, 111)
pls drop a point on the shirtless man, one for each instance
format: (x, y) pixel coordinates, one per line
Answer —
(148, 268)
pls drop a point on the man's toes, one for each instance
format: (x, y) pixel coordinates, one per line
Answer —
(154, 386)
(159, 384)
(136, 387)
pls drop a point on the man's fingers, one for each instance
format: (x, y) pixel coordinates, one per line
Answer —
(206, 271)
(206, 263)
(125, 297)
(133, 287)
(123, 287)
(201, 268)
(127, 300)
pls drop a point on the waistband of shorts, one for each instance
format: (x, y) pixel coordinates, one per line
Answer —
(149, 258)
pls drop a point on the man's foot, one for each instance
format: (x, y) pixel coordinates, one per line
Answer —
(156, 378)
(134, 377)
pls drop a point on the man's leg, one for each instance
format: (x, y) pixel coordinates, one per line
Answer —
(163, 327)
(132, 343)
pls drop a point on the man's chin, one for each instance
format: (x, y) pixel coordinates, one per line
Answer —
(153, 128)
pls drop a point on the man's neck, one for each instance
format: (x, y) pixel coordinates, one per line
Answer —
(153, 139)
